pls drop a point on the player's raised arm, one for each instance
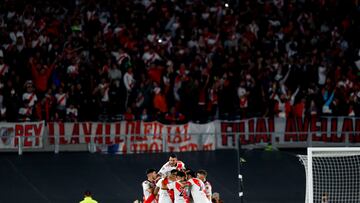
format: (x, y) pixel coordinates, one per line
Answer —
(162, 171)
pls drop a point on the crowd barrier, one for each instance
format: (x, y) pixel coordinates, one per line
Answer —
(153, 137)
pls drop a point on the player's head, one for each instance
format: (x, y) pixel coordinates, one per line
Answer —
(201, 174)
(190, 174)
(180, 175)
(151, 173)
(172, 175)
(173, 160)
(87, 193)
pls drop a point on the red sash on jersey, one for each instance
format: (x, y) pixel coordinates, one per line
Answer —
(3, 70)
(170, 192)
(36, 44)
(150, 59)
(150, 199)
(183, 192)
(61, 99)
(28, 111)
(197, 182)
(31, 97)
(122, 57)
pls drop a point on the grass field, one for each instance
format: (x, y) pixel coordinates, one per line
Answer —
(45, 177)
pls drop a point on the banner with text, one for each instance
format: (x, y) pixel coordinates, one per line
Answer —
(289, 132)
(31, 134)
(136, 136)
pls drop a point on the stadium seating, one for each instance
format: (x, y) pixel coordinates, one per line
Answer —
(175, 61)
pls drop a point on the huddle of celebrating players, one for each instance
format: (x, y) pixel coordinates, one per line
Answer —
(174, 184)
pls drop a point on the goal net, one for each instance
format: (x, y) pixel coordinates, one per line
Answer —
(332, 175)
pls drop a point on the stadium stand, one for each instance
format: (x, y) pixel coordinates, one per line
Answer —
(175, 61)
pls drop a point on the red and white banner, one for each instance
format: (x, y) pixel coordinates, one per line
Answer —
(135, 137)
(31, 134)
(290, 132)
(141, 137)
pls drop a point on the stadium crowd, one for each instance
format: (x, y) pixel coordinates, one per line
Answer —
(178, 60)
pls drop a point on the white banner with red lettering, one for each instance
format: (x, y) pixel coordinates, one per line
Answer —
(135, 137)
(139, 137)
(31, 134)
(290, 132)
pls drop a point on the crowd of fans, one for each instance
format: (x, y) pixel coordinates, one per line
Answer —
(178, 60)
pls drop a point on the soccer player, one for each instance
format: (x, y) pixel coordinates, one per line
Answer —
(166, 195)
(180, 188)
(149, 186)
(197, 189)
(202, 175)
(88, 198)
(173, 163)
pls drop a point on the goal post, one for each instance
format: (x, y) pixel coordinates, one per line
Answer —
(332, 174)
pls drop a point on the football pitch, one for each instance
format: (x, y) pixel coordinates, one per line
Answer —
(46, 177)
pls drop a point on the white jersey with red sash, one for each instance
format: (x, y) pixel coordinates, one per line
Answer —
(181, 193)
(149, 58)
(25, 113)
(198, 191)
(148, 197)
(3, 69)
(165, 195)
(166, 168)
(105, 92)
(129, 81)
(31, 97)
(61, 100)
(120, 57)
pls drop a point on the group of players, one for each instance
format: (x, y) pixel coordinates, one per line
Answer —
(175, 184)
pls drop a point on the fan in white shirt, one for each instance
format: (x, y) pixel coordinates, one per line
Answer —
(120, 56)
(150, 57)
(29, 95)
(129, 80)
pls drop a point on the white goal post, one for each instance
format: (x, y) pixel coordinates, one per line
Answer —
(332, 174)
